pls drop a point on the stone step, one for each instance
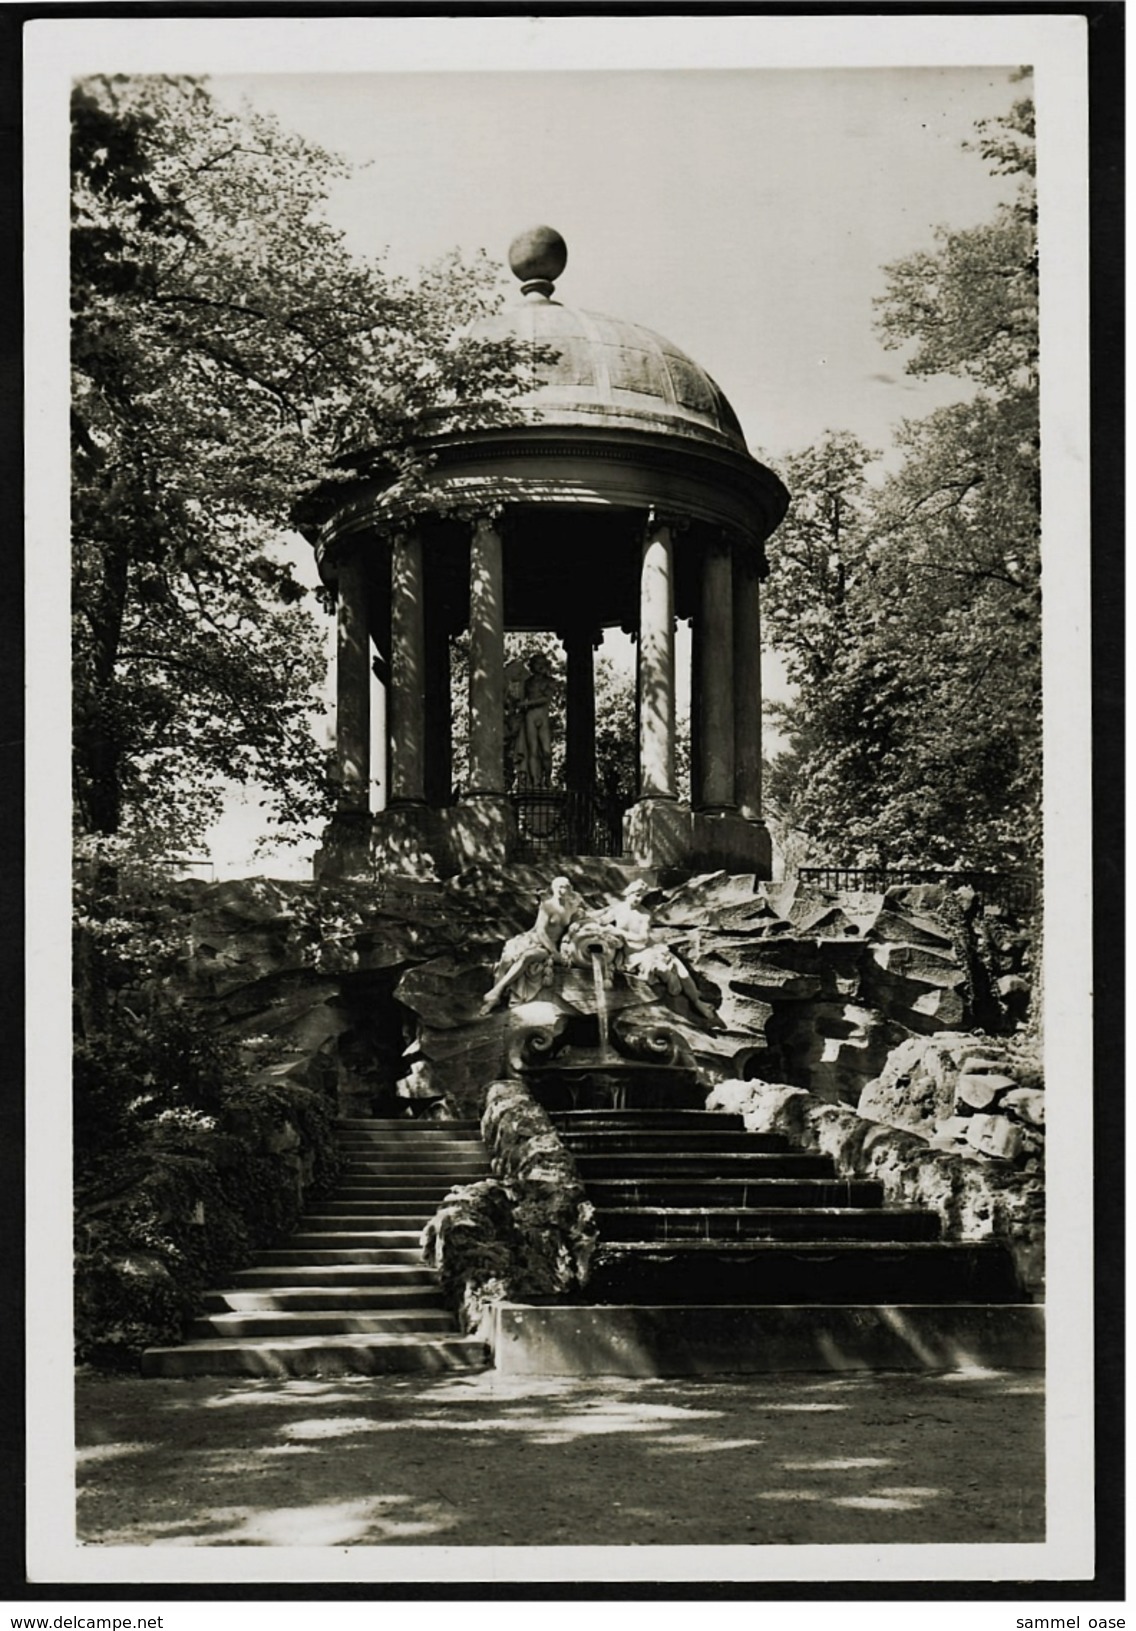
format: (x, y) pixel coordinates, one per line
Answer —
(658, 1223)
(333, 1238)
(374, 1205)
(717, 1164)
(405, 1141)
(429, 1192)
(691, 1141)
(401, 1143)
(443, 1178)
(792, 1271)
(349, 1292)
(311, 1257)
(659, 1120)
(699, 1340)
(394, 1169)
(366, 1354)
(385, 1178)
(412, 1154)
(401, 1156)
(412, 1158)
(408, 1132)
(328, 1298)
(405, 1124)
(391, 1197)
(733, 1193)
(403, 1135)
(362, 1214)
(336, 1274)
(321, 1322)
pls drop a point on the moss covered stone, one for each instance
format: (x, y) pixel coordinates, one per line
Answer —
(527, 1232)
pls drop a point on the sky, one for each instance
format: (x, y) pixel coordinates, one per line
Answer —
(744, 214)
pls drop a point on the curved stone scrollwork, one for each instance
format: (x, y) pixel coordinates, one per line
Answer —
(534, 1036)
(747, 1063)
(648, 1042)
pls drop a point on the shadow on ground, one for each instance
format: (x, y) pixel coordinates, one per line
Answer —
(481, 1460)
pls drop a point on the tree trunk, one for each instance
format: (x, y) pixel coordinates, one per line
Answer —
(97, 722)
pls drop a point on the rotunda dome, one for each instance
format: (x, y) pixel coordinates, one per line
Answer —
(604, 372)
(599, 373)
(612, 420)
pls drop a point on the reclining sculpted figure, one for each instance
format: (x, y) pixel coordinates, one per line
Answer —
(647, 959)
(526, 964)
(565, 935)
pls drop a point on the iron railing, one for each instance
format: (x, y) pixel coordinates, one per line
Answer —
(1016, 891)
(572, 823)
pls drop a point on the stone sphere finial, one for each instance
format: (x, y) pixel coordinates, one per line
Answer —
(537, 257)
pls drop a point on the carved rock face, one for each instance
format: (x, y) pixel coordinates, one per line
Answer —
(342, 978)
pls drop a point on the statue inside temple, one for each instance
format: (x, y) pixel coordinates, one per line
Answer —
(530, 690)
(516, 678)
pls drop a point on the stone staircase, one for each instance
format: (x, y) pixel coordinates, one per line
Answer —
(349, 1292)
(720, 1251)
(727, 1252)
(692, 1209)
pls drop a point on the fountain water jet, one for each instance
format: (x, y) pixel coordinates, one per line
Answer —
(600, 988)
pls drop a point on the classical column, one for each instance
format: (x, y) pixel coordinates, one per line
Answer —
(486, 661)
(439, 772)
(406, 715)
(747, 686)
(656, 686)
(715, 690)
(580, 720)
(380, 718)
(696, 665)
(352, 690)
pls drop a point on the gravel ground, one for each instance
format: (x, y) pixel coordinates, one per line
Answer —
(482, 1460)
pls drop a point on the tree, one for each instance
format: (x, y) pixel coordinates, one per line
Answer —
(228, 355)
(821, 614)
(960, 559)
(970, 306)
(821, 555)
(963, 518)
(908, 610)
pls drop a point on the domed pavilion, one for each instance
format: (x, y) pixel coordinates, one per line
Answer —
(616, 493)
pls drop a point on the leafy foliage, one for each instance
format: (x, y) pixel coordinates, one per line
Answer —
(184, 1162)
(188, 1202)
(821, 555)
(907, 608)
(228, 354)
(971, 305)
